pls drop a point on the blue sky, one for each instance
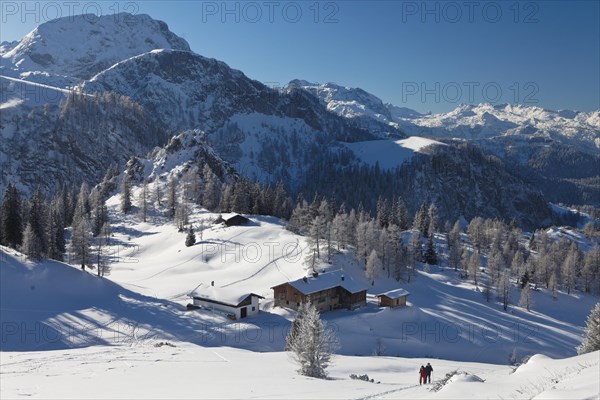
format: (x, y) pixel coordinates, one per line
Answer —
(430, 56)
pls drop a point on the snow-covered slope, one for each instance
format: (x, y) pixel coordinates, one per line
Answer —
(57, 318)
(153, 272)
(72, 138)
(390, 154)
(141, 369)
(53, 52)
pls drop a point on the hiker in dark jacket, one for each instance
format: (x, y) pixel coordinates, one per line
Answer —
(429, 370)
(422, 375)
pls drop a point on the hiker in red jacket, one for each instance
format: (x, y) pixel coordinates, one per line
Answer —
(422, 375)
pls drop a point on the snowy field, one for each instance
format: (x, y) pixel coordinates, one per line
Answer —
(182, 370)
(63, 328)
(390, 153)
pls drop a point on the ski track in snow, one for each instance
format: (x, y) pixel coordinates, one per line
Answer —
(265, 266)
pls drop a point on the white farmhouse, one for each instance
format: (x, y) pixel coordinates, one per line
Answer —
(237, 304)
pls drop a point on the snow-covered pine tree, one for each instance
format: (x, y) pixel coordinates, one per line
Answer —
(31, 244)
(102, 261)
(316, 232)
(384, 249)
(339, 230)
(591, 339)
(99, 211)
(383, 213)
(81, 242)
(157, 193)
(504, 289)
(171, 197)
(373, 266)
(421, 221)
(433, 219)
(313, 344)
(82, 205)
(430, 256)
(401, 214)
(37, 220)
(570, 268)
(591, 269)
(476, 231)
(182, 216)
(526, 299)
(143, 201)
(474, 266)
(294, 333)
(55, 236)
(413, 253)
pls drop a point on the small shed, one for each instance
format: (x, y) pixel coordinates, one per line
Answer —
(393, 298)
(237, 304)
(236, 220)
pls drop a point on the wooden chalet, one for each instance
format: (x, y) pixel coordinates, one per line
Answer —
(327, 291)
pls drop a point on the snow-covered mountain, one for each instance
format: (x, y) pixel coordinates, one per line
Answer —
(298, 135)
(358, 106)
(485, 120)
(557, 151)
(64, 51)
(481, 121)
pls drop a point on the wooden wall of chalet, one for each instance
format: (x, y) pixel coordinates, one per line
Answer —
(326, 300)
(385, 301)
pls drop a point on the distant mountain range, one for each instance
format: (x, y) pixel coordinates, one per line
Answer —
(80, 94)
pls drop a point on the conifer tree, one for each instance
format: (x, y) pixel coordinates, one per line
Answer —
(421, 221)
(31, 244)
(430, 256)
(143, 201)
(171, 198)
(190, 239)
(312, 344)
(12, 223)
(591, 340)
(81, 242)
(126, 186)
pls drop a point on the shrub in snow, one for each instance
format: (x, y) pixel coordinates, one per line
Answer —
(364, 377)
(310, 342)
(591, 340)
(190, 239)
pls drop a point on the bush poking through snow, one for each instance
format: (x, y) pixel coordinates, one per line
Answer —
(364, 377)
(161, 344)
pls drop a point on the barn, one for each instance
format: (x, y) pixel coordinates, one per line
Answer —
(236, 220)
(237, 304)
(327, 291)
(393, 298)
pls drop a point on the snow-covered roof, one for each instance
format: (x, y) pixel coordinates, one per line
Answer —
(326, 280)
(395, 294)
(228, 296)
